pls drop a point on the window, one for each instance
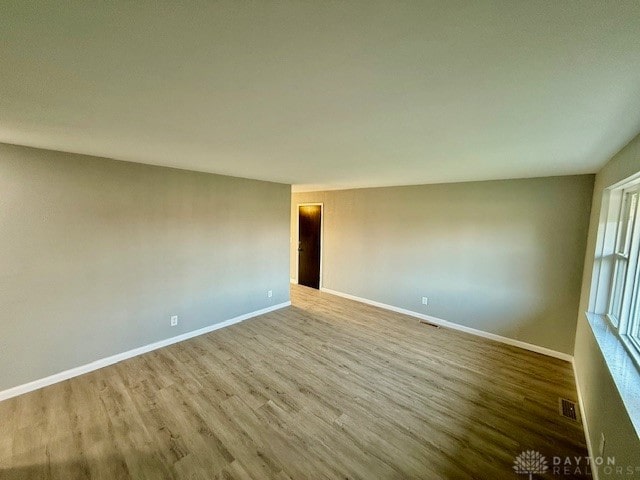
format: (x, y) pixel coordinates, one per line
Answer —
(623, 310)
(614, 297)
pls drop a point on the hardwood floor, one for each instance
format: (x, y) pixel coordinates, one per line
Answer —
(327, 388)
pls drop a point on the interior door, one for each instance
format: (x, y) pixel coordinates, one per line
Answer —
(309, 231)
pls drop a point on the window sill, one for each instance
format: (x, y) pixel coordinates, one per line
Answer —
(622, 367)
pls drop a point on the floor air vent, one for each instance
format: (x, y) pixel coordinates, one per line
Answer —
(568, 409)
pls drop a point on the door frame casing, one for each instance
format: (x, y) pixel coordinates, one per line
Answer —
(297, 238)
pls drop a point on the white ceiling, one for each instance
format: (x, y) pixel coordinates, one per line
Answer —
(326, 94)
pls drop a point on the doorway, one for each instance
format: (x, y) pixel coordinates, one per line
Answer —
(310, 244)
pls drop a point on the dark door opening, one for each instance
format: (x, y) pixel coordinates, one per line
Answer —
(309, 231)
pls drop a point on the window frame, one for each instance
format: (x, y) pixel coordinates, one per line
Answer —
(625, 320)
(620, 352)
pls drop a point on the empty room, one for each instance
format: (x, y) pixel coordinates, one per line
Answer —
(319, 240)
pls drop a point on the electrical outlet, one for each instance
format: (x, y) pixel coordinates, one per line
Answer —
(174, 320)
(425, 301)
(601, 446)
(270, 293)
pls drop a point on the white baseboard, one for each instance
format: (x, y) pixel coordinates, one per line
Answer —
(454, 326)
(585, 426)
(105, 362)
(293, 280)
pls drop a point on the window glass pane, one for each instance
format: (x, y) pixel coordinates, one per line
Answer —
(615, 305)
(633, 324)
(626, 223)
(634, 320)
(630, 313)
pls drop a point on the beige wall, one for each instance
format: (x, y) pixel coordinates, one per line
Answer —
(96, 255)
(505, 257)
(604, 410)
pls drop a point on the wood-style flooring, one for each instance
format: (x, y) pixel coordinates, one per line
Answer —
(327, 388)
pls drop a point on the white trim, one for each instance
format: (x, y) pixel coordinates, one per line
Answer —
(293, 280)
(585, 426)
(629, 182)
(454, 326)
(297, 242)
(119, 357)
